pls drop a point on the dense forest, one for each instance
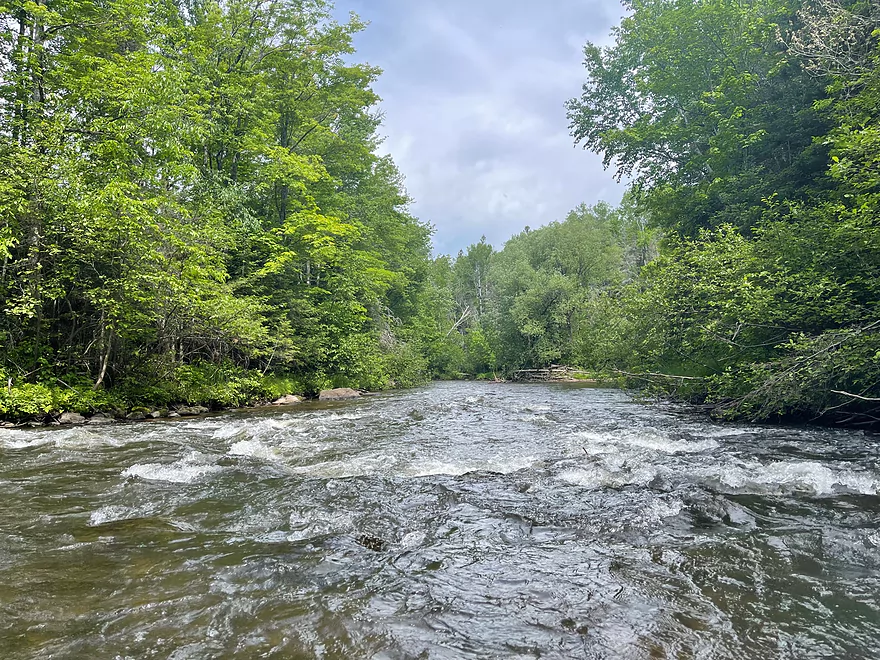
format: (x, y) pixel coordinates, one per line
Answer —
(742, 270)
(192, 210)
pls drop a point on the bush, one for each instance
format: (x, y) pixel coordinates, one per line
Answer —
(216, 386)
(28, 400)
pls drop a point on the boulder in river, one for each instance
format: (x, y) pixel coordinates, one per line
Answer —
(71, 418)
(287, 400)
(338, 394)
(190, 411)
(136, 416)
(100, 419)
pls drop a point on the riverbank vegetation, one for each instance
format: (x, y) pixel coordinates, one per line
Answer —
(192, 209)
(742, 270)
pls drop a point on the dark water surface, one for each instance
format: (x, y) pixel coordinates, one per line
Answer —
(463, 520)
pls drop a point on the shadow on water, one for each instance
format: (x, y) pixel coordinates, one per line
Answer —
(462, 520)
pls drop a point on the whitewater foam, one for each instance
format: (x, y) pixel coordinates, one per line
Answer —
(111, 513)
(499, 464)
(360, 466)
(269, 426)
(68, 438)
(612, 441)
(23, 439)
(795, 476)
(186, 470)
(254, 449)
(609, 476)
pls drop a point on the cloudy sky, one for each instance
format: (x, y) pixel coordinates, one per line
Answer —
(473, 95)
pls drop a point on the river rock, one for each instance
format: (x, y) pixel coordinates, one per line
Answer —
(100, 420)
(338, 394)
(189, 411)
(287, 400)
(373, 543)
(71, 418)
(156, 414)
(136, 416)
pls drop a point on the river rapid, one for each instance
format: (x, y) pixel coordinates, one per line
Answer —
(462, 520)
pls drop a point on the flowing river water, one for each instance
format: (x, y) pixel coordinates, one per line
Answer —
(462, 520)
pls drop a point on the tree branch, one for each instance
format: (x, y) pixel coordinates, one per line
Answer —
(855, 396)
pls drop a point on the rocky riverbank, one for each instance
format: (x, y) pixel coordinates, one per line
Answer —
(106, 417)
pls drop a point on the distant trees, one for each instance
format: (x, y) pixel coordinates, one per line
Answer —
(543, 280)
(545, 297)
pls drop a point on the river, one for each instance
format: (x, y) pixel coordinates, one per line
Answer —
(461, 520)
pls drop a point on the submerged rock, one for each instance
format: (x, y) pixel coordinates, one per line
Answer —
(338, 394)
(373, 543)
(287, 400)
(71, 418)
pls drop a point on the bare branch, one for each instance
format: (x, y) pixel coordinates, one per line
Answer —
(855, 396)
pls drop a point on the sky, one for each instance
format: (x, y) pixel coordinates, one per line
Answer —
(473, 95)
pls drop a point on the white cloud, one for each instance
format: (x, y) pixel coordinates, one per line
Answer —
(473, 96)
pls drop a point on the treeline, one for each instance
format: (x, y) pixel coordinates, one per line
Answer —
(548, 297)
(192, 208)
(750, 132)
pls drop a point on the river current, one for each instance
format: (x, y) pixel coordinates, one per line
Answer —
(461, 520)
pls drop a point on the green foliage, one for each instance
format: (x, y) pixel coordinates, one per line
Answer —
(406, 366)
(27, 400)
(701, 105)
(750, 130)
(806, 380)
(544, 281)
(219, 385)
(197, 184)
(545, 298)
(479, 356)
(212, 385)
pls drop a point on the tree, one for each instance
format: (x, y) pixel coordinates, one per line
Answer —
(193, 184)
(541, 283)
(750, 130)
(698, 102)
